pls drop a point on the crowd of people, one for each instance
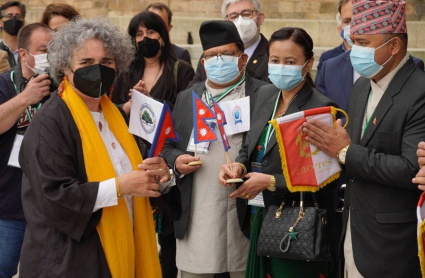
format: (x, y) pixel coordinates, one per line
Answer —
(80, 197)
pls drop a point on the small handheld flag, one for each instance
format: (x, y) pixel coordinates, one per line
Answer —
(221, 121)
(202, 132)
(164, 131)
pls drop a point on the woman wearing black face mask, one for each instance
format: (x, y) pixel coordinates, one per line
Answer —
(155, 71)
(86, 185)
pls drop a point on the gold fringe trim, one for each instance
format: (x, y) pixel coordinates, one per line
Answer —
(333, 111)
(421, 253)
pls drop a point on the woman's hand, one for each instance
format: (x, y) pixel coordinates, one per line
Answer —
(227, 172)
(141, 87)
(127, 105)
(156, 163)
(256, 183)
(140, 183)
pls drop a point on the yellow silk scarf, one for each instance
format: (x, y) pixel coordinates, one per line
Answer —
(129, 253)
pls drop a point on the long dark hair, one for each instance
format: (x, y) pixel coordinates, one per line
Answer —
(151, 21)
(301, 38)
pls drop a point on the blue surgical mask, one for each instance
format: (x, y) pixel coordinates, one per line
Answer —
(222, 70)
(363, 60)
(345, 34)
(286, 77)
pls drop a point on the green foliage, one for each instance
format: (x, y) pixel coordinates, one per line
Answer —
(147, 117)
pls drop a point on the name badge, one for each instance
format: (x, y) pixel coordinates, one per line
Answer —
(258, 201)
(14, 155)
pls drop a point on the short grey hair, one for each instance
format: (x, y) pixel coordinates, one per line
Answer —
(226, 3)
(72, 35)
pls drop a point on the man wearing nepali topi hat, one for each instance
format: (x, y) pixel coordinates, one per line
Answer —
(209, 239)
(378, 150)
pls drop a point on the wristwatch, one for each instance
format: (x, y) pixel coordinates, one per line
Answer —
(343, 153)
(272, 186)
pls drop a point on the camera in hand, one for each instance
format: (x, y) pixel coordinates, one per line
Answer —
(53, 84)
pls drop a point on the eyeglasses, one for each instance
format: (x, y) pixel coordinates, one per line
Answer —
(225, 57)
(9, 16)
(246, 14)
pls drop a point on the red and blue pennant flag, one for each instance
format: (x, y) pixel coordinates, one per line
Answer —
(221, 121)
(164, 131)
(202, 132)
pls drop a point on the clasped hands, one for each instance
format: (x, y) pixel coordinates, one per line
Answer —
(143, 182)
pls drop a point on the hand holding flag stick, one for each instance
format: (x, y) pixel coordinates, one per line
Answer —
(202, 131)
(221, 121)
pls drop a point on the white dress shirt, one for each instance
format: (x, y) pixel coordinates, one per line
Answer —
(107, 193)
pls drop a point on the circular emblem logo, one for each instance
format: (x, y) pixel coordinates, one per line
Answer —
(147, 118)
(237, 114)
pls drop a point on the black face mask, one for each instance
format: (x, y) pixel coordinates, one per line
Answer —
(148, 47)
(94, 81)
(12, 26)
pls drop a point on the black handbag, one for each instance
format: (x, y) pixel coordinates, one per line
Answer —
(298, 233)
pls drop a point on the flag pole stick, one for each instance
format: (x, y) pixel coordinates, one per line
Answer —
(228, 161)
(196, 149)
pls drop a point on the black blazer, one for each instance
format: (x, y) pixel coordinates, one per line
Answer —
(307, 98)
(380, 195)
(181, 53)
(61, 239)
(257, 66)
(182, 115)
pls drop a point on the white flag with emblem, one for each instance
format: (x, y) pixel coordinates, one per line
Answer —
(237, 113)
(144, 116)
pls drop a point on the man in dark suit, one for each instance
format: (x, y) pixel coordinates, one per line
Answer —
(12, 18)
(343, 19)
(387, 120)
(255, 43)
(211, 233)
(166, 14)
(337, 77)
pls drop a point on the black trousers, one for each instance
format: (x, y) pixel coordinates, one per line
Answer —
(167, 256)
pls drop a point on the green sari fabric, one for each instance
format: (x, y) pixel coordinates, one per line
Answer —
(273, 267)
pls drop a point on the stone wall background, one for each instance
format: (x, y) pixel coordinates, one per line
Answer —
(317, 17)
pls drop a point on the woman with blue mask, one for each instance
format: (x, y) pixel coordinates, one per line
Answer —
(293, 90)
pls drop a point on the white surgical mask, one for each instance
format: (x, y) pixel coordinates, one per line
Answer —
(41, 63)
(247, 28)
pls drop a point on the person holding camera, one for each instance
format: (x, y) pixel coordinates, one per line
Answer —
(22, 91)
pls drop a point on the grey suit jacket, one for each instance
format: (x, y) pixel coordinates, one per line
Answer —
(307, 98)
(182, 115)
(380, 195)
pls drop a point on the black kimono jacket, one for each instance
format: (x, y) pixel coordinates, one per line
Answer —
(61, 238)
